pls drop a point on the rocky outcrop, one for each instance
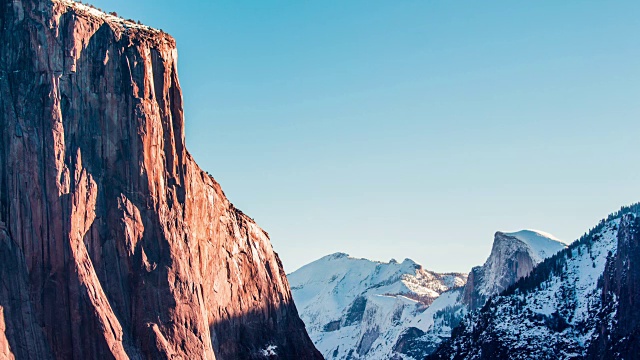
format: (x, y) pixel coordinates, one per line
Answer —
(513, 256)
(113, 242)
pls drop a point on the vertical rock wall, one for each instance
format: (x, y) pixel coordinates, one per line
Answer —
(113, 242)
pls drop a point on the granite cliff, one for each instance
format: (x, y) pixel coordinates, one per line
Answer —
(513, 256)
(113, 242)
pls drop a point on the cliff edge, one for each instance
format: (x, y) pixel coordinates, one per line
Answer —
(113, 242)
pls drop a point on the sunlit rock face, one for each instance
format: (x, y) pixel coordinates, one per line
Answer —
(113, 242)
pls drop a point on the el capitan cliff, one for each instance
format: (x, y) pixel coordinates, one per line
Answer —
(113, 242)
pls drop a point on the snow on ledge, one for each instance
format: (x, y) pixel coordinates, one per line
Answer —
(270, 351)
(543, 244)
(112, 19)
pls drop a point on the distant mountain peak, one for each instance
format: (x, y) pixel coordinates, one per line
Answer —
(360, 308)
(513, 256)
(580, 303)
(541, 244)
(335, 256)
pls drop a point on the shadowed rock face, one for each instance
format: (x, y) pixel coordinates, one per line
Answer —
(113, 242)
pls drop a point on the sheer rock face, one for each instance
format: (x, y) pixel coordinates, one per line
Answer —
(113, 242)
(510, 260)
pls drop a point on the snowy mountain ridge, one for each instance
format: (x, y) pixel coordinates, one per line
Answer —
(362, 309)
(579, 304)
(356, 308)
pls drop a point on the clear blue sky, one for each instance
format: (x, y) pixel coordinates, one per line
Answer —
(410, 128)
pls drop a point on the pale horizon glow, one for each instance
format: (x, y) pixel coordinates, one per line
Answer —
(413, 129)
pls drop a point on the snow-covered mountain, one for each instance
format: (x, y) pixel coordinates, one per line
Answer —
(358, 309)
(513, 256)
(361, 309)
(579, 304)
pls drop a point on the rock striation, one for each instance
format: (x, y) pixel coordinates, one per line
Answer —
(114, 244)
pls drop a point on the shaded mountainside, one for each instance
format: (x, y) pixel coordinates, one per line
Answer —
(579, 303)
(361, 309)
(617, 334)
(113, 242)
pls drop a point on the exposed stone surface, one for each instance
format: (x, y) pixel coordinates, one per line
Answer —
(113, 242)
(511, 259)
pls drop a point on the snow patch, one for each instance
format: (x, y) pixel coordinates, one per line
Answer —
(541, 243)
(270, 351)
(112, 19)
